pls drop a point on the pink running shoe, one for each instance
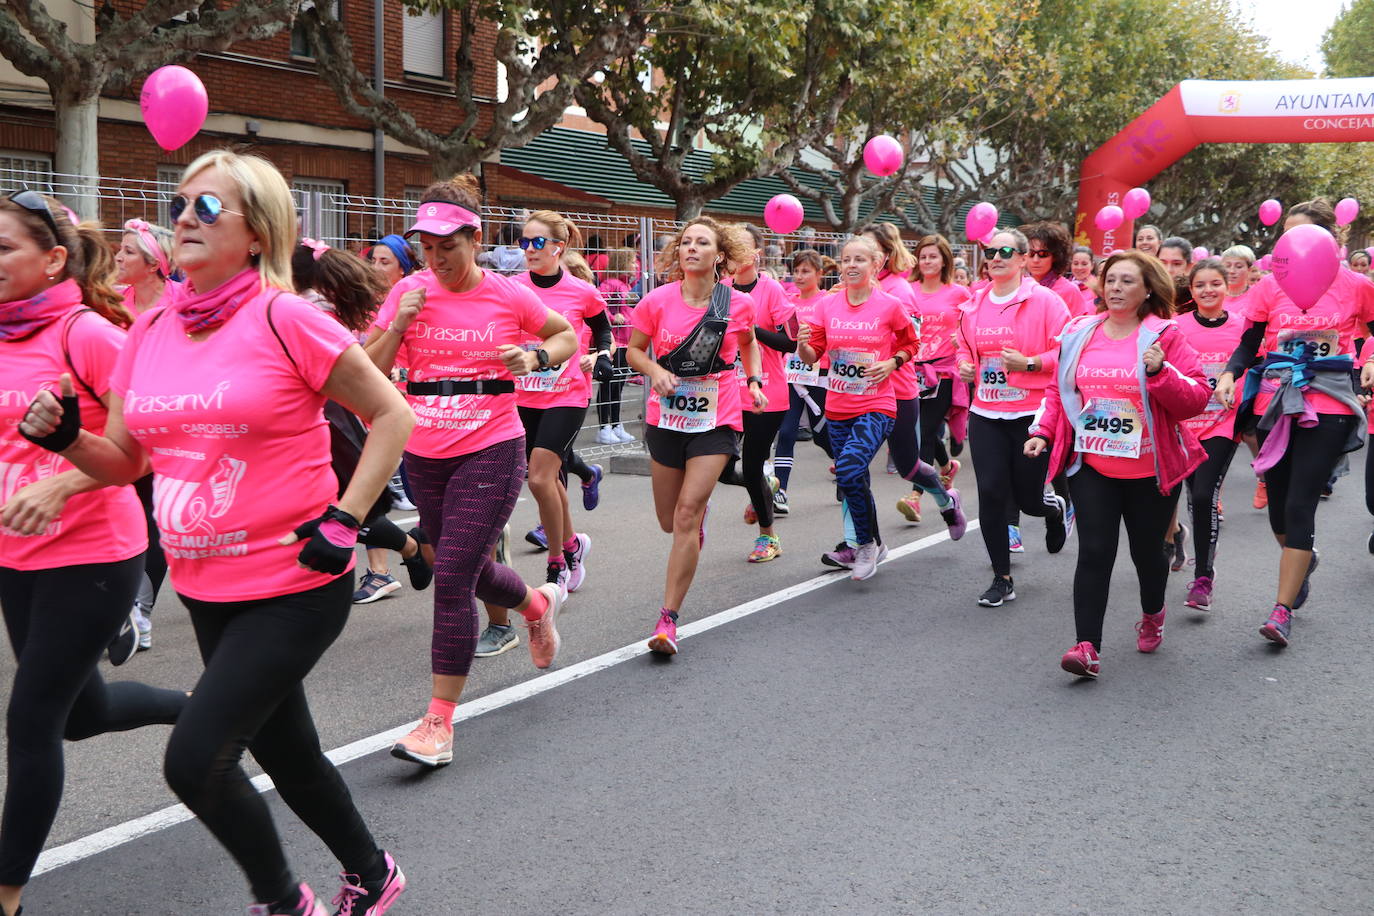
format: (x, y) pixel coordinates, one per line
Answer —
(430, 743)
(1199, 594)
(1150, 631)
(360, 898)
(310, 905)
(664, 640)
(544, 638)
(949, 472)
(1082, 660)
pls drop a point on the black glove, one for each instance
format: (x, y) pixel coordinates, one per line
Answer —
(68, 428)
(329, 541)
(604, 370)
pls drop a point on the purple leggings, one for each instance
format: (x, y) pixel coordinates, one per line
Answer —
(464, 503)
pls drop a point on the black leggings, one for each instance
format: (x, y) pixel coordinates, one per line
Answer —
(257, 653)
(1204, 495)
(573, 462)
(1007, 481)
(904, 444)
(59, 623)
(933, 411)
(1103, 504)
(1295, 483)
(791, 423)
(154, 561)
(1369, 481)
(608, 391)
(760, 429)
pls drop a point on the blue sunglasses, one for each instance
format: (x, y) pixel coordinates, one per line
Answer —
(207, 208)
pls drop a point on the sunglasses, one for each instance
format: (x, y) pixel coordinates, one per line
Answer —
(1006, 251)
(1042, 253)
(207, 208)
(34, 203)
(537, 243)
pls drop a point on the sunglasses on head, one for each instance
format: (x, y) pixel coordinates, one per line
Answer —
(537, 243)
(207, 208)
(1006, 251)
(34, 203)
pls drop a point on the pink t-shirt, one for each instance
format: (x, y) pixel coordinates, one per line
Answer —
(234, 427)
(904, 384)
(939, 313)
(1089, 304)
(103, 526)
(994, 329)
(807, 310)
(1108, 377)
(565, 385)
(1328, 328)
(855, 337)
(619, 302)
(1214, 346)
(771, 309)
(1071, 294)
(667, 320)
(460, 336)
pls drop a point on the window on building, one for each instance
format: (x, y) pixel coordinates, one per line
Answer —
(320, 205)
(30, 170)
(168, 177)
(300, 44)
(423, 44)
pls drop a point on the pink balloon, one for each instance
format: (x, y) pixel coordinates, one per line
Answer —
(783, 214)
(1346, 210)
(1370, 251)
(174, 106)
(1136, 203)
(883, 155)
(1305, 263)
(1199, 253)
(1270, 211)
(981, 220)
(1108, 218)
(1266, 263)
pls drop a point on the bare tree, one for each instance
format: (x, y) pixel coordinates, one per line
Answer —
(545, 48)
(111, 50)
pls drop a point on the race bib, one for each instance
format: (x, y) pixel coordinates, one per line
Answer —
(800, 373)
(692, 407)
(1111, 427)
(992, 382)
(849, 371)
(1213, 372)
(1315, 343)
(542, 379)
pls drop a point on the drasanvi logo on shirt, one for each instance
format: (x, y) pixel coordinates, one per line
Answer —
(185, 512)
(17, 397)
(1112, 374)
(422, 330)
(850, 324)
(135, 403)
(1308, 321)
(15, 476)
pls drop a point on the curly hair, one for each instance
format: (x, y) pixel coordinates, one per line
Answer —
(732, 243)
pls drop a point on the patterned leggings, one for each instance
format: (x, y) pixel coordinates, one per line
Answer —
(855, 442)
(464, 503)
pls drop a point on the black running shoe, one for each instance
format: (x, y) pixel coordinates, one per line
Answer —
(421, 573)
(1178, 550)
(1306, 588)
(123, 646)
(1056, 528)
(999, 592)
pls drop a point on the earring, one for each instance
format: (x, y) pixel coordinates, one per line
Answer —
(253, 251)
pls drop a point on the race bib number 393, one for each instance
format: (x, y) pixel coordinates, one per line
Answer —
(993, 386)
(692, 407)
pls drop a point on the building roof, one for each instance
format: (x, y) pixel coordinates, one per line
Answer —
(586, 161)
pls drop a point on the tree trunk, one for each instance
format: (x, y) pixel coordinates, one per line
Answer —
(78, 153)
(689, 206)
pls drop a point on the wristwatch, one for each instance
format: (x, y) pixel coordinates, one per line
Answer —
(752, 379)
(542, 355)
(1030, 364)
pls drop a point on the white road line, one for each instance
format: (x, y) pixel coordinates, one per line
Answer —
(127, 832)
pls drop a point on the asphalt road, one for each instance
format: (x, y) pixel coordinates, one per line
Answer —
(878, 747)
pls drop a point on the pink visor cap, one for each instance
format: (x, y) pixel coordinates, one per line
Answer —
(439, 217)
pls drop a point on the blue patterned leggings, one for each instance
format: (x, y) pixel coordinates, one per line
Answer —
(855, 442)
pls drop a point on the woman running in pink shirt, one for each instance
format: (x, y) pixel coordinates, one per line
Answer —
(264, 570)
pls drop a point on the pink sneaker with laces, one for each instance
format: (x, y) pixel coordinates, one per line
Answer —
(544, 638)
(309, 905)
(664, 640)
(1150, 631)
(1082, 660)
(430, 743)
(368, 898)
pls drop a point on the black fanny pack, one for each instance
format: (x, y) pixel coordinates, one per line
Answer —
(699, 353)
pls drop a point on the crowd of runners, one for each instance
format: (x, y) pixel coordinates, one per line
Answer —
(154, 399)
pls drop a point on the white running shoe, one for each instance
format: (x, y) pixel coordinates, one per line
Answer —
(621, 434)
(865, 561)
(606, 436)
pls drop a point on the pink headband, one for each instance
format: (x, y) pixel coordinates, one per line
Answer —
(145, 234)
(318, 247)
(439, 217)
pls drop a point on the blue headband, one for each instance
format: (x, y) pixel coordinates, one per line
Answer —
(401, 249)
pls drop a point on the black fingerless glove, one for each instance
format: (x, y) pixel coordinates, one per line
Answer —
(329, 541)
(604, 370)
(68, 428)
